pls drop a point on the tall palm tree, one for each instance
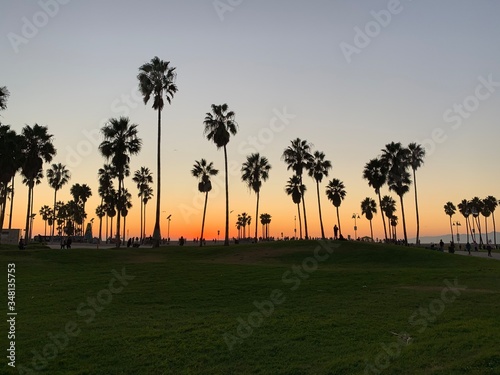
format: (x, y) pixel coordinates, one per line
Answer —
(106, 175)
(37, 149)
(85, 194)
(142, 178)
(388, 206)
(376, 174)
(296, 190)
(148, 194)
(335, 191)
(394, 225)
(265, 220)
(369, 208)
(124, 205)
(476, 205)
(298, 156)
(492, 204)
(111, 201)
(46, 213)
(203, 171)
(396, 159)
(450, 209)
(120, 142)
(4, 95)
(485, 211)
(318, 168)
(57, 176)
(464, 209)
(255, 170)
(219, 126)
(416, 160)
(157, 80)
(100, 211)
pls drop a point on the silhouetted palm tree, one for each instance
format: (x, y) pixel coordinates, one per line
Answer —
(120, 142)
(156, 80)
(464, 209)
(450, 209)
(265, 220)
(318, 168)
(124, 205)
(476, 205)
(219, 126)
(394, 225)
(203, 171)
(376, 174)
(416, 160)
(37, 149)
(369, 208)
(388, 206)
(45, 213)
(57, 176)
(254, 171)
(335, 191)
(4, 95)
(142, 178)
(106, 175)
(100, 211)
(485, 211)
(148, 194)
(295, 189)
(492, 204)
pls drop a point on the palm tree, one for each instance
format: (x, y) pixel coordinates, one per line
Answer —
(111, 211)
(106, 175)
(37, 149)
(157, 79)
(219, 126)
(416, 160)
(57, 176)
(485, 211)
(388, 206)
(124, 205)
(464, 209)
(203, 171)
(394, 225)
(298, 156)
(148, 194)
(100, 211)
(265, 220)
(476, 205)
(85, 194)
(335, 191)
(369, 208)
(450, 209)
(4, 95)
(376, 174)
(492, 204)
(142, 178)
(46, 213)
(318, 168)
(254, 171)
(396, 159)
(120, 142)
(295, 189)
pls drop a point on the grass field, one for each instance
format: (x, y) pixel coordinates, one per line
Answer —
(279, 308)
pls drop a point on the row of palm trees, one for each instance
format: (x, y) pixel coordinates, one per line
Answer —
(472, 210)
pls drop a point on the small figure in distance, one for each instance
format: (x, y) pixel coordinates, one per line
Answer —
(22, 246)
(489, 250)
(441, 245)
(68, 242)
(129, 242)
(335, 232)
(467, 247)
(451, 248)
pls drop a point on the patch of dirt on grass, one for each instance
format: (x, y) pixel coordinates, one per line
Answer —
(440, 288)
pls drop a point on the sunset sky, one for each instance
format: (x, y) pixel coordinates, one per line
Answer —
(348, 76)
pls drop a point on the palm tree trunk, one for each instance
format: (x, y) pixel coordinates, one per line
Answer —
(467, 228)
(28, 216)
(100, 229)
(156, 231)
(203, 220)
(111, 228)
(300, 220)
(479, 229)
(226, 234)
(118, 213)
(107, 228)
(338, 221)
(382, 212)
(11, 203)
(319, 208)
(404, 221)
(417, 240)
(494, 230)
(124, 226)
(304, 209)
(54, 213)
(142, 215)
(371, 229)
(451, 229)
(144, 229)
(486, 229)
(256, 218)
(31, 210)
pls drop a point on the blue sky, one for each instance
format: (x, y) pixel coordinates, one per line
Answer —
(262, 58)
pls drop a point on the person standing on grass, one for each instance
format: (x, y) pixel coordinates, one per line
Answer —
(467, 247)
(335, 232)
(441, 245)
(489, 250)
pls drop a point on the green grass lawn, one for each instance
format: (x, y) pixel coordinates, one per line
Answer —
(185, 310)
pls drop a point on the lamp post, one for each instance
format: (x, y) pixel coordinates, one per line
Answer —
(169, 217)
(355, 216)
(457, 224)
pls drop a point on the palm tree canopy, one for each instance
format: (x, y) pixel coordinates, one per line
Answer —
(416, 155)
(464, 208)
(58, 176)
(388, 206)
(375, 172)
(254, 171)
(37, 149)
(295, 189)
(155, 79)
(220, 125)
(4, 95)
(298, 156)
(120, 141)
(203, 171)
(11, 153)
(335, 191)
(318, 167)
(142, 177)
(449, 209)
(476, 206)
(368, 208)
(491, 202)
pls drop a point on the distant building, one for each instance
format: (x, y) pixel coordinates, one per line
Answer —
(10, 236)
